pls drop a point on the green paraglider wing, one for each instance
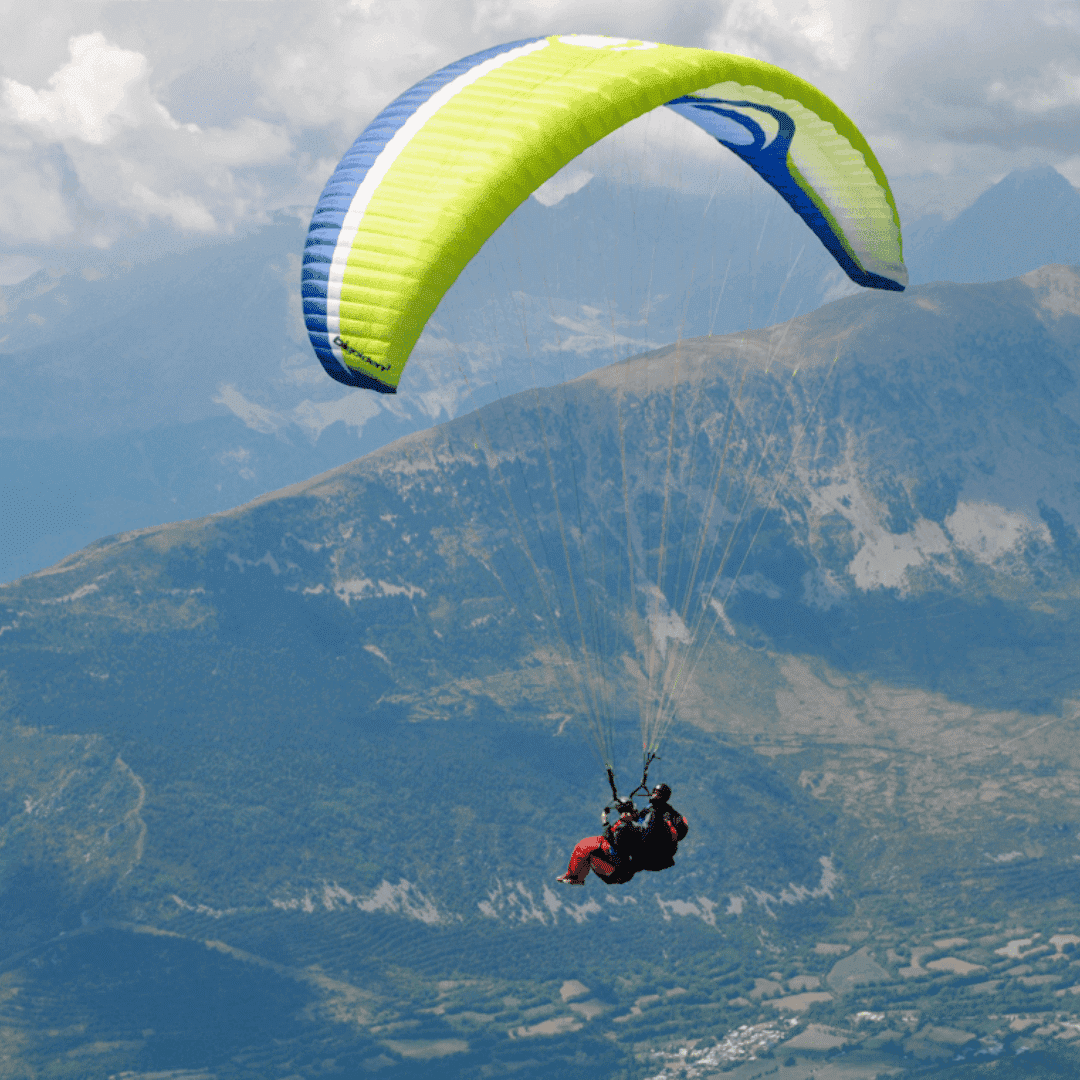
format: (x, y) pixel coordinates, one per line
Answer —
(437, 172)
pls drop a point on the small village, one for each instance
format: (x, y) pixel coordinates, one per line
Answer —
(746, 1043)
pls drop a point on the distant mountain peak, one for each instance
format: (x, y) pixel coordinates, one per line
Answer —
(1040, 175)
(1027, 219)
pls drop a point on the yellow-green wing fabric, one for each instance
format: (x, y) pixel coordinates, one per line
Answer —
(437, 172)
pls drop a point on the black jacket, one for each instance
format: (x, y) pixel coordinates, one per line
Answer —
(659, 831)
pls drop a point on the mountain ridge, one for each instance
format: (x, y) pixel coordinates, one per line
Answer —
(247, 409)
(361, 756)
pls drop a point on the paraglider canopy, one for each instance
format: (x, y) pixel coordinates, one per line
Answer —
(440, 168)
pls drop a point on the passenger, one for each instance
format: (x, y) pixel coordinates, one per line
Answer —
(610, 855)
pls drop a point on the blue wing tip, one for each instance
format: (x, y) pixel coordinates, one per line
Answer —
(351, 377)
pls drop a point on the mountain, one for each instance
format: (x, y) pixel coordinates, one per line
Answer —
(132, 394)
(181, 385)
(285, 788)
(1028, 219)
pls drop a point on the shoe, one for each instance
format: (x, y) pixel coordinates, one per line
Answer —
(566, 879)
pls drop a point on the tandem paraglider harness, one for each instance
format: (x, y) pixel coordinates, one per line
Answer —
(671, 824)
(626, 806)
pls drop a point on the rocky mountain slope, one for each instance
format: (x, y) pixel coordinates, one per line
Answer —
(191, 385)
(183, 384)
(321, 756)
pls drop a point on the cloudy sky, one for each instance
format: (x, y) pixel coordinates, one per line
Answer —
(201, 118)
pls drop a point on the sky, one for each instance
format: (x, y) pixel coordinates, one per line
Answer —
(163, 122)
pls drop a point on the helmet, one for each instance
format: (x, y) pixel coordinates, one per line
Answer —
(661, 793)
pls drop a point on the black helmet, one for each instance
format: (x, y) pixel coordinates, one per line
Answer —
(661, 793)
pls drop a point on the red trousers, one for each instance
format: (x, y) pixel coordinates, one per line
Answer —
(590, 854)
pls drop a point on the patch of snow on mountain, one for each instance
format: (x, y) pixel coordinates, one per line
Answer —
(588, 330)
(354, 589)
(987, 532)
(257, 417)
(664, 624)
(792, 894)
(516, 903)
(401, 590)
(751, 583)
(1059, 288)
(884, 559)
(267, 560)
(404, 898)
(202, 909)
(721, 614)
(354, 410)
(78, 594)
(701, 907)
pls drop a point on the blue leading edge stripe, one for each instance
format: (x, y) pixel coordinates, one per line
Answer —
(337, 196)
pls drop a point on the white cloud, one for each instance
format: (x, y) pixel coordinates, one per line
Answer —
(32, 207)
(16, 268)
(1070, 169)
(1053, 88)
(828, 32)
(184, 211)
(210, 117)
(94, 154)
(917, 77)
(100, 88)
(249, 142)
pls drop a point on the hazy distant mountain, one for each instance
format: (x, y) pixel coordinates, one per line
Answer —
(1028, 219)
(294, 780)
(132, 395)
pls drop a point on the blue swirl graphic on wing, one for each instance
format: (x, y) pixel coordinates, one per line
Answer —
(742, 135)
